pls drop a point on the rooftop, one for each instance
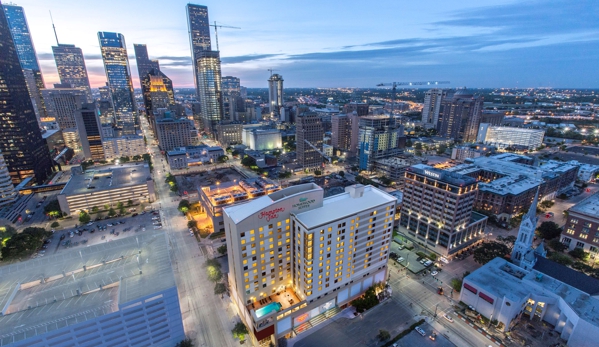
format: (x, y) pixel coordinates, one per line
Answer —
(346, 204)
(82, 284)
(447, 176)
(106, 178)
(232, 192)
(588, 206)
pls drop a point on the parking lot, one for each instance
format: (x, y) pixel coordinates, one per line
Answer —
(105, 230)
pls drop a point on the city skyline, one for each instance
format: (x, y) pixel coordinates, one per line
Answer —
(503, 44)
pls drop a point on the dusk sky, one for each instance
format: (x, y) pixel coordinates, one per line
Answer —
(552, 43)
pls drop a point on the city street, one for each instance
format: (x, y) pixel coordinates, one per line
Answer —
(207, 318)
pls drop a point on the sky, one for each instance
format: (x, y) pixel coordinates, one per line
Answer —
(473, 43)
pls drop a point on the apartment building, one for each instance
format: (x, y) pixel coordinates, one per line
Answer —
(582, 226)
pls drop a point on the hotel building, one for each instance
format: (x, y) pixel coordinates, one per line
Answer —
(297, 258)
(582, 226)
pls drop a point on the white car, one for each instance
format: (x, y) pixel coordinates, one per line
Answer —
(444, 260)
(434, 273)
(448, 318)
(420, 331)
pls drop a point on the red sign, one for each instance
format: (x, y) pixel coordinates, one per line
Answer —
(272, 214)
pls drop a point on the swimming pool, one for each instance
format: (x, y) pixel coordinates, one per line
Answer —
(272, 307)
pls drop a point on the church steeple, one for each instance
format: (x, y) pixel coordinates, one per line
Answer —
(532, 211)
(522, 253)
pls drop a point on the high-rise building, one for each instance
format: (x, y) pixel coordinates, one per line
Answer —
(157, 91)
(504, 137)
(207, 72)
(437, 209)
(118, 74)
(144, 63)
(71, 67)
(460, 116)
(172, 133)
(275, 94)
(360, 108)
(62, 102)
(232, 101)
(90, 131)
(295, 256)
(379, 137)
(231, 86)
(229, 133)
(19, 29)
(209, 80)
(21, 143)
(7, 190)
(432, 107)
(309, 136)
(341, 132)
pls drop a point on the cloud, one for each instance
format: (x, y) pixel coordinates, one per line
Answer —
(246, 58)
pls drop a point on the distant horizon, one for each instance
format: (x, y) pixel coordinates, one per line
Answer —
(515, 44)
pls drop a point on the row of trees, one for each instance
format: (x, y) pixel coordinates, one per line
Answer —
(172, 182)
(24, 243)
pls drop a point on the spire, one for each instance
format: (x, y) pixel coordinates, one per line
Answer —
(532, 212)
(53, 27)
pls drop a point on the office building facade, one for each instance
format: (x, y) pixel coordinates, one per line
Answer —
(437, 209)
(62, 102)
(460, 116)
(209, 81)
(360, 108)
(308, 140)
(90, 132)
(118, 74)
(275, 94)
(379, 137)
(144, 63)
(228, 134)
(157, 90)
(172, 133)
(23, 42)
(341, 132)
(8, 194)
(432, 107)
(123, 146)
(21, 143)
(295, 255)
(71, 68)
(504, 137)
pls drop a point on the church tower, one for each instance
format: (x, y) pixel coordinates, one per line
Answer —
(523, 253)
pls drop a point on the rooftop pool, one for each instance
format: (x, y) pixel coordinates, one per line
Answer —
(272, 307)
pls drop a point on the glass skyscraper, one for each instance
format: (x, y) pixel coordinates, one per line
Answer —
(17, 23)
(144, 64)
(206, 64)
(118, 74)
(71, 67)
(21, 142)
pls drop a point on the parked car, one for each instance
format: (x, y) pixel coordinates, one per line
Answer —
(444, 260)
(420, 331)
(434, 273)
(448, 318)
(400, 259)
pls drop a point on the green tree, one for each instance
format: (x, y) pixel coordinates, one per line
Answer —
(124, 159)
(507, 240)
(183, 206)
(342, 173)
(383, 335)
(367, 301)
(120, 205)
(248, 161)
(136, 157)
(106, 206)
(129, 202)
(192, 224)
(24, 243)
(220, 288)
(549, 230)
(409, 143)
(186, 342)
(239, 331)
(285, 174)
(54, 225)
(441, 149)
(222, 249)
(84, 217)
(579, 253)
(456, 284)
(489, 251)
(122, 210)
(317, 172)
(557, 245)
(223, 159)
(418, 146)
(52, 208)
(111, 212)
(95, 209)
(560, 258)
(213, 269)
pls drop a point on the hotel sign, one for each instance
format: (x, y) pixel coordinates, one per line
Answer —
(272, 214)
(303, 203)
(432, 174)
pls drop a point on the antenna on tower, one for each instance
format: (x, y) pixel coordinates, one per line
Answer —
(53, 27)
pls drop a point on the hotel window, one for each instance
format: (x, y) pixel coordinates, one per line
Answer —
(252, 232)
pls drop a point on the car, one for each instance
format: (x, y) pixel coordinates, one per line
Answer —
(444, 260)
(428, 263)
(134, 215)
(400, 259)
(422, 261)
(420, 331)
(433, 336)
(90, 223)
(448, 318)
(440, 290)
(434, 273)
(109, 224)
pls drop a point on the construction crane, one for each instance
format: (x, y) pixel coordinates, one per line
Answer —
(216, 26)
(271, 70)
(395, 84)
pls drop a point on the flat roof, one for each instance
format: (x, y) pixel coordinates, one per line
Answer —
(71, 295)
(343, 205)
(447, 176)
(241, 191)
(107, 178)
(588, 206)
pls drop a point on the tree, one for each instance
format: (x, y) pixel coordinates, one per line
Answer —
(124, 159)
(95, 209)
(186, 342)
(489, 251)
(285, 174)
(560, 258)
(549, 230)
(418, 146)
(111, 212)
(557, 245)
(192, 224)
(136, 157)
(183, 206)
(235, 153)
(579, 253)
(441, 149)
(55, 225)
(507, 240)
(239, 331)
(383, 335)
(367, 301)
(120, 205)
(106, 206)
(248, 161)
(213, 269)
(84, 217)
(129, 202)
(223, 159)
(408, 143)
(317, 172)
(341, 173)
(220, 288)
(24, 243)
(222, 249)
(52, 208)
(122, 210)
(456, 284)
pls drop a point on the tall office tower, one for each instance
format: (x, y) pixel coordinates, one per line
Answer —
(309, 135)
(62, 103)
(460, 116)
(7, 190)
(105, 93)
(231, 86)
(206, 70)
(296, 257)
(340, 132)
(21, 141)
(172, 133)
(379, 137)
(71, 67)
(209, 80)
(19, 29)
(157, 91)
(231, 97)
(118, 74)
(90, 131)
(437, 209)
(144, 63)
(360, 108)
(432, 107)
(354, 123)
(275, 94)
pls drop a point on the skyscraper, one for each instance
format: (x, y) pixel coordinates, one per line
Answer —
(17, 23)
(90, 131)
(118, 74)
(275, 93)
(62, 102)
(340, 132)
(21, 141)
(71, 67)
(157, 91)
(432, 107)
(309, 135)
(232, 101)
(144, 64)
(379, 137)
(460, 116)
(206, 64)
(231, 86)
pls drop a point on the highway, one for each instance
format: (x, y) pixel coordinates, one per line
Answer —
(207, 318)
